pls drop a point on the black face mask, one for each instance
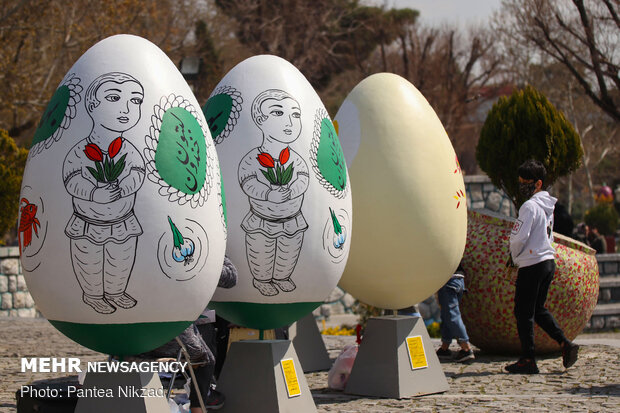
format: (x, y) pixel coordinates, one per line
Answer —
(527, 189)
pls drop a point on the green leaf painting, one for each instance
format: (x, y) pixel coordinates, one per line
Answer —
(177, 238)
(335, 223)
(222, 111)
(53, 115)
(217, 111)
(329, 156)
(117, 168)
(223, 198)
(180, 157)
(287, 175)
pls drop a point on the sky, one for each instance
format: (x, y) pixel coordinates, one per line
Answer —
(436, 12)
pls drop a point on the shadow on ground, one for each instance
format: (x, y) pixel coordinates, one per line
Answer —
(608, 390)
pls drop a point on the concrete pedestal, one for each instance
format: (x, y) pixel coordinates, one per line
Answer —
(309, 345)
(396, 359)
(264, 376)
(122, 392)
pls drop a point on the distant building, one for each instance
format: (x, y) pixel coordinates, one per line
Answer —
(487, 97)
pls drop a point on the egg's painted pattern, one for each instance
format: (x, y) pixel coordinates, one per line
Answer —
(58, 114)
(488, 305)
(336, 234)
(102, 174)
(31, 218)
(182, 251)
(275, 225)
(276, 209)
(222, 111)
(178, 159)
(181, 158)
(326, 156)
(99, 282)
(28, 223)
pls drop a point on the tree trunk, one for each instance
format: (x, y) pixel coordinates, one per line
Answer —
(570, 194)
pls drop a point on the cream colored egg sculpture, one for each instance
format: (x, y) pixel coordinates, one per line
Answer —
(122, 235)
(409, 203)
(288, 195)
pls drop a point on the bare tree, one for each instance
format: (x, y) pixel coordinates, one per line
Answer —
(450, 67)
(41, 39)
(582, 35)
(598, 131)
(322, 38)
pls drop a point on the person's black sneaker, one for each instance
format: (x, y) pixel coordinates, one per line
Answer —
(464, 355)
(523, 366)
(569, 354)
(444, 354)
(215, 400)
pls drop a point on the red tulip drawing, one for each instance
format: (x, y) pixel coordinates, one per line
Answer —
(93, 152)
(284, 155)
(265, 160)
(106, 170)
(276, 174)
(115, 146)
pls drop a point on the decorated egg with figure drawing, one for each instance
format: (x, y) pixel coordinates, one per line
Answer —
(410, 206)
(287, 191)
(122, 231)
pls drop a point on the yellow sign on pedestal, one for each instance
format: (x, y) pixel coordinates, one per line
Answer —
(290, 377)
(417, 355)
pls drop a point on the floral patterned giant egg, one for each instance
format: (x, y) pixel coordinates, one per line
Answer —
(409, 203)
(488, 306)
(121, 227)
(288, 194)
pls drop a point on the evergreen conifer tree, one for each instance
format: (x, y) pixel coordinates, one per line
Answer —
(525, 126)
(12, 163)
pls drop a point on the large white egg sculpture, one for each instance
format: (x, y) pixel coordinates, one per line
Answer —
(409, 203)
(288, 195)
(121, 227)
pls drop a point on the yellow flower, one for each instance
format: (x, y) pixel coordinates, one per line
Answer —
(338, 331)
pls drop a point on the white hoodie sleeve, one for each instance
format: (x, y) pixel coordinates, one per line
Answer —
(521, 230)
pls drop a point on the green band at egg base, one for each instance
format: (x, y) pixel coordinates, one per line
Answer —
(121, 339)
(262, 316)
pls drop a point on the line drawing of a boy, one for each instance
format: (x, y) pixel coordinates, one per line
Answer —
(275, 225)
(103, 229)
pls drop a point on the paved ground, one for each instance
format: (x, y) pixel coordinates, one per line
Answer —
(592, 385)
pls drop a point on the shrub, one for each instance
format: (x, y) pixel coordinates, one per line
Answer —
(604, 217)
(526, 126)
(12, 162)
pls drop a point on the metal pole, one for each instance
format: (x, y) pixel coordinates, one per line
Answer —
(191, 372)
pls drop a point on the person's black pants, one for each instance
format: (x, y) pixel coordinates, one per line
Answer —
(531, 293)
(204, 374)
(203, 380)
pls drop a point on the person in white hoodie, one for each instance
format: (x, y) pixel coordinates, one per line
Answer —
(531, 250)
